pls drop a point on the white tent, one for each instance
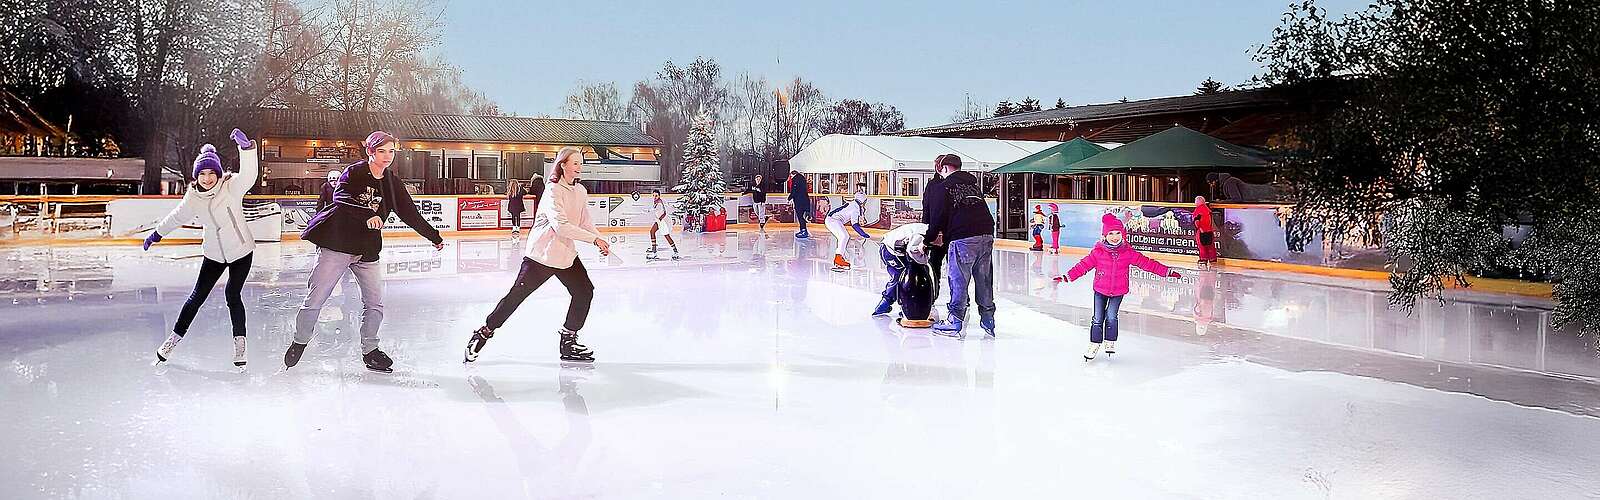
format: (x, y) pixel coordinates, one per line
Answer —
(840, 154)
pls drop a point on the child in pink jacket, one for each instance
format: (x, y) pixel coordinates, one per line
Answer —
(1110, 260)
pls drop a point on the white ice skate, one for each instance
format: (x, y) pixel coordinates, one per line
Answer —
(238, 352)
(167, 347)
(1094, 349)
(1111, 347)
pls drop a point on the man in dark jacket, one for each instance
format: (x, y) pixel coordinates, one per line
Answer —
(957, 212)
(349, 237)
(800, 195)
(936, 248)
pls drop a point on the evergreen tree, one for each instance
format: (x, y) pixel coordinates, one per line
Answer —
(1029, 104)
(1061, 104)
(1004, 108)
(702, 185)
(1452, 126)
(1209, 87)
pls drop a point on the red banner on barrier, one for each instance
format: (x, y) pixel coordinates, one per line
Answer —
(478, 213)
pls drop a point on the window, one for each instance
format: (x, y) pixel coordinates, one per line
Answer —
(458, 167)
(910, 186)
(488, 167)
(271, 152)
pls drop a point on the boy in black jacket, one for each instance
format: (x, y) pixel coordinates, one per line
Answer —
(349, 237)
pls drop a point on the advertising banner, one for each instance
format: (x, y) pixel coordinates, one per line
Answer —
(479, 213)
(136, 217)
(297, 212)
(439, 211)
(1151, 228)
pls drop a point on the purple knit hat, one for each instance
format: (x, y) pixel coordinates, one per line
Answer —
(208, 160)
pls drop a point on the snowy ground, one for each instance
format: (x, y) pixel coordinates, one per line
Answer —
(746, 372)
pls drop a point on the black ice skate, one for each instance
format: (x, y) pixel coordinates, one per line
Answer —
(378, 361)
(571, 350)
(291, 357)
(476, 343)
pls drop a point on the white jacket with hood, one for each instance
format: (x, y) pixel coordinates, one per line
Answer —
(563, 219)
(220, 212)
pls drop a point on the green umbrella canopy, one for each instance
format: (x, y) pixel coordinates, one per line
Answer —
(1176, 148)
(1054, 160)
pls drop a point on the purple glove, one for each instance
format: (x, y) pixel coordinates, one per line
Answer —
(152, 239)
(240, 139)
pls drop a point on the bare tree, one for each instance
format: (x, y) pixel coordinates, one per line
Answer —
(371, 39)
(434, 85)
(667, 105)
(797, 119)
(594, 101)
(851, 116)
(970, 110)
(296, 42)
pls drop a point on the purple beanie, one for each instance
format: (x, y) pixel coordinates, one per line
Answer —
(208, 160)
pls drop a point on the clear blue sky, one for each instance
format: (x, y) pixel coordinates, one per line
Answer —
(919, 56)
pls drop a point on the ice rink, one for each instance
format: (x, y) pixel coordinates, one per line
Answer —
(750, 370)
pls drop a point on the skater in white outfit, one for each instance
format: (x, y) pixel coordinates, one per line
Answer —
(561, 221)
(847, 214)
(216, 200)
(664, 224)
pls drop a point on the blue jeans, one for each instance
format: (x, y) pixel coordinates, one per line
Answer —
(891, 290)
(972, 261)
(1104, 324)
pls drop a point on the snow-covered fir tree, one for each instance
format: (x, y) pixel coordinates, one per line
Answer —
(702, 187)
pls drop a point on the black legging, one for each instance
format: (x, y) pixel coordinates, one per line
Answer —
(210, 271)
(534, 274)
(516, 221)
(936, 261)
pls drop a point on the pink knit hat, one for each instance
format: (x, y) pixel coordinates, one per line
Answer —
(1110, 223)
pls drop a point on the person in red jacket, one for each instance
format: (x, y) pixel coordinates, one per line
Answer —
(1110, 260)
(1055, 228)
(1205, 233)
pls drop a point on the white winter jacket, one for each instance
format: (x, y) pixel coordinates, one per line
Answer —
(563, 218)
(220, 211)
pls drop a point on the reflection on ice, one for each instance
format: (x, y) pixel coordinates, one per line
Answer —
(749, 369)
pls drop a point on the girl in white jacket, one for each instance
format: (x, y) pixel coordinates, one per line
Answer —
(216, 200)
(561, 221)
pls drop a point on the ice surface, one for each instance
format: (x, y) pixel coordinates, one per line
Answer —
(746, 372)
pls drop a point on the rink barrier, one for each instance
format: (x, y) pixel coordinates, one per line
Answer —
(1253, 238)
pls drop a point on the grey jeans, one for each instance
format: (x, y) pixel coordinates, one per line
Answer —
(971, 260)
(330, 270)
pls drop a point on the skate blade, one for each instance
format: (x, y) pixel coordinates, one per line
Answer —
(577, 362)
(380, 370)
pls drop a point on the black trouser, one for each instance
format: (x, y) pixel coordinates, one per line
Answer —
(534, 274)
(210, 272)
(516, 221)
(936, 261)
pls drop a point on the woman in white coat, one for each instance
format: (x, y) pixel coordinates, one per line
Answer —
(216, 200)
